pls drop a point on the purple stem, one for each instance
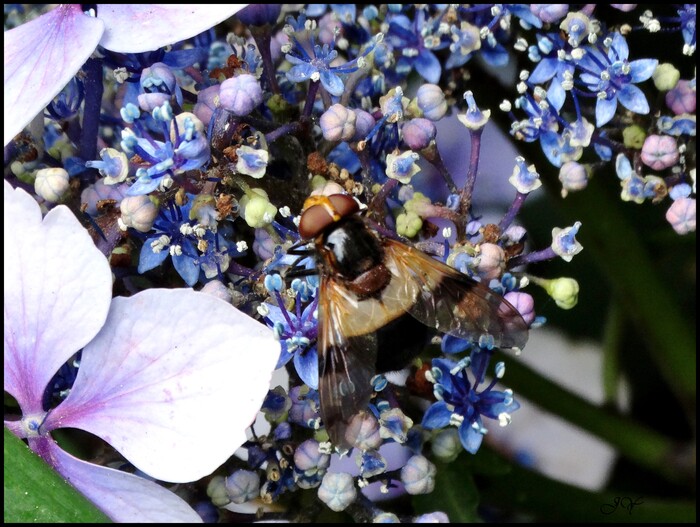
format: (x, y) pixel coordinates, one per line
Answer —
(91, 111)
(239, 269)
(465, 197)
(432, 154)
(538, 256)
(285, 129)
(512, 211)
(262, 39)
(383, 193)
(310, 98)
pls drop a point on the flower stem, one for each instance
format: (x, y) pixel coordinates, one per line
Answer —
(91, 109)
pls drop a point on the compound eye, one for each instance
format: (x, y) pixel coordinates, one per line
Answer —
(323, 211)
(343, 204)
(314, 221)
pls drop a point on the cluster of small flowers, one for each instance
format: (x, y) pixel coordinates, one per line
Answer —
(201, 153)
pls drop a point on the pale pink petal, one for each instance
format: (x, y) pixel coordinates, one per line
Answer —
(172, 382)
(57, 292)
(123, 497)
(133, 28)
(41, 56)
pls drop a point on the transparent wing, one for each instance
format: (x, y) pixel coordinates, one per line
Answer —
(347, 362)
(449, 301)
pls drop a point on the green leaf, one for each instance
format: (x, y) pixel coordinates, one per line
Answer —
(523, 491)
(455, 494)
(35, 493)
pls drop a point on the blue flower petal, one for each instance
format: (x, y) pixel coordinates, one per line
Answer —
(556, 95)
(642, 69)
(186, 268)
(545, 70)
(619, 50)
(428, 66)
(492, 404)
(552, 145)
(452, 344)
(285, 355)
(332, 83)
(437, 416)
(470, 437)
(148, 259)
(623, 167)
(301, 72)
(143, 186)
(633, 99)
(605, 110)
(306, 364)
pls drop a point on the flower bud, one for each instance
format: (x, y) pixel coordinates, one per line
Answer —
(666, 77)
(337, 490)
(524, 303)
(338, 123)
(446, 445)
(633, 136)
(564, 291)
(573, 176)
(242, 486)
(138, 212)
(408, 224)
(492, 261)
(660, 152)
(681, 99)
(241, 94)
(418, 475)
(51, 184)
(256, 209)
(418, 133)
(364, 122)
(207, 101)
(681, 215)
(430, 99)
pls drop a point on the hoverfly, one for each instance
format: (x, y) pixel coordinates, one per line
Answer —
(372, 291)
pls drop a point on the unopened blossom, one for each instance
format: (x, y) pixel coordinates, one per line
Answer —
(418, 475)
(681, 98)
(524, 303)
(492, 261)
(242, 486)
(564, 291)
(430, 99)
(573, 176)
(338, 123)
(337, 490)
(418, 133)
(138, 212)
(241, 94)
(666, 77)
(51, 184)
(660, 152)
(681, 215)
